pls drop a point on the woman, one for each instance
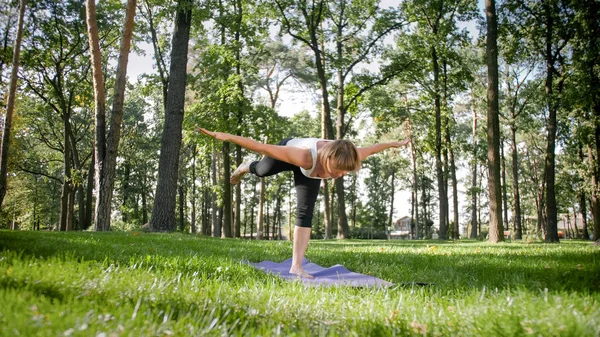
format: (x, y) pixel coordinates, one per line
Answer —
(311, 159)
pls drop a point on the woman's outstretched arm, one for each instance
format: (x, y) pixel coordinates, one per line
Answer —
(364, 152)
(292, 155)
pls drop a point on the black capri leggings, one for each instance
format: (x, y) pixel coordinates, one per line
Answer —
(307, 189)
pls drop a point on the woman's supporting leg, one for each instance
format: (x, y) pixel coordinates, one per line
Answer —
(307, 191)
(301, 238)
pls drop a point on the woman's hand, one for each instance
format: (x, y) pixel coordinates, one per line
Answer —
(216, 135)
(400, 143)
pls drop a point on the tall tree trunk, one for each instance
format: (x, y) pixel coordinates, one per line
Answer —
(582, 201)
(193, 222)
(353, 202)
(451, 165)
(125, 191)
(576, 234)
(516, 194)
(238, 197)
(593, 162)
(89, 199)
(439, 169)
(504, 193)
(592, 21)
(261, 208)
(144, 200)
(325, 125)
(240, 112)
(455, 232)
(343, 230)
(550, 165)
(290, 230)
(163, 212)
(584, 224)
(391, 214)
(227, 209)
(106, 146)
(475, 164)
(10, 108)
(415, 175)
(216, 226)
(252, 212)
(181, 207)
(496, 232)
(66, 187)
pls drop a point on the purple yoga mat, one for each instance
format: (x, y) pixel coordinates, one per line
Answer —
(333, 276)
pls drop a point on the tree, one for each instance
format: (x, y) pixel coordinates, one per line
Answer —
(586, 60)
(430, 46)
(10, 107)
(496, 231)
(105, 148)
(303, 21)
(163, 211)
(56, 71)
(354, 45)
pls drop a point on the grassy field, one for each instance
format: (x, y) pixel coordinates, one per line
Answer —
(140, 284)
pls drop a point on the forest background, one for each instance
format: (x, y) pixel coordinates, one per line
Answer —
(409, 70)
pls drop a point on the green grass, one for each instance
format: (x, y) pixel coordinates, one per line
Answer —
(139, 284)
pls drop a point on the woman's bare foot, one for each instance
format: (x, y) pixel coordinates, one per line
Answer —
(239, 173)
(300, 272)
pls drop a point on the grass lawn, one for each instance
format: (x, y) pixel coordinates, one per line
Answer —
(141, 284)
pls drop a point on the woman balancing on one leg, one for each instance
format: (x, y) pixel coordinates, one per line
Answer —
(311, 159)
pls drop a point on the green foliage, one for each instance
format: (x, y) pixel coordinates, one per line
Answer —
(77, 284)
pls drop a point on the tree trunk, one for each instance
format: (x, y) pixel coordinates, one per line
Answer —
(89, 200)
(238, 197)
(106, 147)
(227, 209)
(216, 226)
(593, 162)
(193, 222)
(125, 191)
(261, 208)
(576, 230)
(441, 182)
(455, 232)
(415, 176)
(582, 197)
(474, 189)
(550, 164)
(163, 212)
(516, 194)
(182, 208)
(343, 230)
(496, 231)
(252, 212)
(10, 108)
(66, 187)
(391, 214)
(240, 113)
(504, 193)
(144, 201)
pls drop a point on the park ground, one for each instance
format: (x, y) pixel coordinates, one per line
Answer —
(145, 284)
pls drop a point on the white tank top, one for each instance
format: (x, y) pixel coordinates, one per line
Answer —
(307, 143)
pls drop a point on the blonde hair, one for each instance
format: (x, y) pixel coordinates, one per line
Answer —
(342, 153)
